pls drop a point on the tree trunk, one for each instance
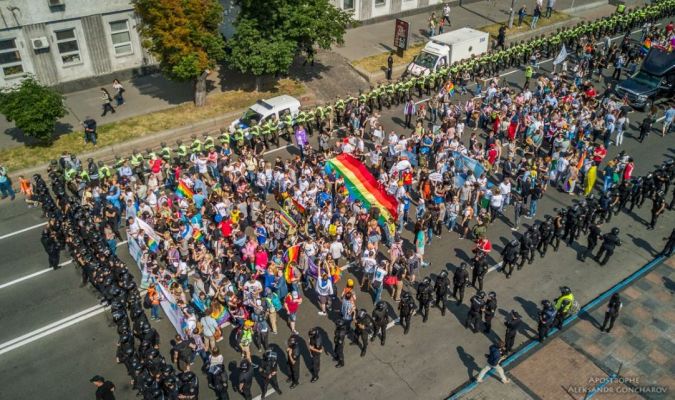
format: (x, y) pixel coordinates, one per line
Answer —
(511, 11)
(257, 83)
(200, 89)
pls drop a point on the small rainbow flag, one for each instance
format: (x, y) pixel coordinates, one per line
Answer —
(450, 88)
(298, 206)
(182, 190)
(292, 254)
(197, 235)
(151, 244)
(219, 313)
(286, 219)
(646, 46)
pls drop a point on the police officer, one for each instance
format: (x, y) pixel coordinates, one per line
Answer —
(535, 238)
(670, 244)
(546, 318)
(558, 228)
(424, 294)
(546, 235)
(364, 325)
(490, 310)
(217, 380)
(512, 324)
(563, 306)
(609, 242)
(245, 379)
(479, 270)
(315, 350)
(189, 386)
(571, 222)
(594, 234)
(441, 287)
(339, 343)
(268, 369)
(405, 310)
(476, 307)
(293, 355)
(381, 319)
(658, 207)
(510, 257)
(459, 281)
(51, 246)
(612, 312)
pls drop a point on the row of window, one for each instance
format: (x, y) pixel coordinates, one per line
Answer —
(349, 4)
(67, 45)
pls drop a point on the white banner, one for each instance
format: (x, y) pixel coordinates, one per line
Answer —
(561, 56)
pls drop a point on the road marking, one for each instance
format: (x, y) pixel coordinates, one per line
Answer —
(278, 148)
(38, 273)
(22, 230)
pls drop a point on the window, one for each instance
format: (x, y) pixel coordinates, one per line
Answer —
(121, 39)
(380, 3)
(348, 4)
(68, 47)
(10, 58)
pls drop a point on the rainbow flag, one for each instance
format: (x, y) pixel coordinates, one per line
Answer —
(286, 219)
(298, 206)
(219, 313)
(292, 254)
(363, 186)
(197, 235)
(182, 190)
(450, 88)
(288, 273)
(152, 245)
(646, 46)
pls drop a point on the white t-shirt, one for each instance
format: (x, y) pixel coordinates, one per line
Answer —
(336, 249)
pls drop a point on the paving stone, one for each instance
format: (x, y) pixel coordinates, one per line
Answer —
(646, 366)
(611, 363)
(658, 357)
(644, 284)
(631, 292)
(572, 336)
(652, 304)
(662, 326)
(637, 343)
(629, 322)
(607, 340)
(649, 333)
(666, 345)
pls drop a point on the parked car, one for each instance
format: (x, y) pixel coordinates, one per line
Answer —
(262, 110)
(655, 80)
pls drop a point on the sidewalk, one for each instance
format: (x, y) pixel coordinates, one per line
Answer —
(634, 361)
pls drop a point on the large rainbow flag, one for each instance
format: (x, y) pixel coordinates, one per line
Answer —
(219, 313)
(182, 190)
(362, 185)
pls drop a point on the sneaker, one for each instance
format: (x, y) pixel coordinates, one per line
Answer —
(515, 228)
(321, 313)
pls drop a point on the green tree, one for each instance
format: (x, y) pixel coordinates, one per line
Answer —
(34, 108)
(270, 33)
(183, 35)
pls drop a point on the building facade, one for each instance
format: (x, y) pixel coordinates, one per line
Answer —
(365, 10)
(61, 41)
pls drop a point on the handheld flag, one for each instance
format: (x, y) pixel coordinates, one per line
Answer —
(182, 190)
(561, 56)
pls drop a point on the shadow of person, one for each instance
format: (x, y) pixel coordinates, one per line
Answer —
(669, 284)
(643, 244)
(468, 360)
(529, 307)
(590, 318)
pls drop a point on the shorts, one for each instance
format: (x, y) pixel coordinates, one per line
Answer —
(323, 300)
(292, 317)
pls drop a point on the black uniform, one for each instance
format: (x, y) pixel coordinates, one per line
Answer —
(489, 313)
(441, 288)
(670, 243)
(245, 382)
(512, 325)
(315, 342)
(381, 319)
(476, 307)
(609, 242)
(546, 236)
(405, 311)
(525, 246)
(424, 294)
(339, 345)
(510, 257)
(480, 268)
(546, 317)
(459, 281)
(594, 234)
(658, 206)
(51, 246)
(612, 313)
(293, 354)
(364, 325)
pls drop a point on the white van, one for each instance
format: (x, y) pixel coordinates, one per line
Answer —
(263, 110)
(448, 48)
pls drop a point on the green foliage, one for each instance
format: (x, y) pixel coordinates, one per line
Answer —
(182, 34)
(270, 33)
(33, 108)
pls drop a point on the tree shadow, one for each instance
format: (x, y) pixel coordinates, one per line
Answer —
(18, 136)
(468, 360)
(158, 86)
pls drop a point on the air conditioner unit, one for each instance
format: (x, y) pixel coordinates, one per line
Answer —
(40, 43)
(55, 3)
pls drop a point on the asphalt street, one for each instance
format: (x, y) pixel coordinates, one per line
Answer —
(40, 357)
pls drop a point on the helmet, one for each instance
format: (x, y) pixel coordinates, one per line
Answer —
(546, 303)
(405, 295)
(339, 323)
(244, 365)
(350, 282)
(248, 324)
(444, 274)
(362, 313)
(565, 290)
(313, 332)
(292, 341)
(615, 231)
(481, 294)
(427, 281)
(492, 294)
(380, 306)
(463, 265)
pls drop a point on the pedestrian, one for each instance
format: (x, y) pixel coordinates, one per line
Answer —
(52, 247)
(612, 313)
(658, 208)
(563, 306)
(380, 318)
(545, 321)
(496, 355)
(501, 37)
(293, 355)
(512, 324)
(522, 12)
(106, 102)
(119, 92)
(245, 379)
(409, 110)
(668, 120)
(594, 234)
(153, 297)
(341, 331)
(490, 311)
(315, 350)
(268, 369)
(446, 13)
(390, 65)
(549, 8)
(529, 71)
(645, 128)
(609, 243)
(535, 17)
(104, 389)
(475, 314)
(291, 305)
(6, 185)
(619, 63)
(432, 24)
(90, 134)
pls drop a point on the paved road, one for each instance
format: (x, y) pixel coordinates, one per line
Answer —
(428, 363)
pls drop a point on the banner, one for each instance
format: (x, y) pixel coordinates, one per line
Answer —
(561, 56)
(463, 165)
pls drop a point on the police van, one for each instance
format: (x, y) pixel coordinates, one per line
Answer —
(264, 110)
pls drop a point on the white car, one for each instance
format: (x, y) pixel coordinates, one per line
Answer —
(263, 110)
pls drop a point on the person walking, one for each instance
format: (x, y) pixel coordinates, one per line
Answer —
(409, 110)
(668, 119)
(104, 389)
(549, 8)
(618, 67)
(390, 65)
(612, 313)
(119, 92)
(6, 184)
(521, 14)
(106, 102)
(496, 355)
(535, 17)
(51, 246)
(670, 243)
(446, 13)
(153, 297)
(90, 134)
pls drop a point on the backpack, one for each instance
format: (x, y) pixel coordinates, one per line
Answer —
(574, 308)
(276, 303)
(147, 303)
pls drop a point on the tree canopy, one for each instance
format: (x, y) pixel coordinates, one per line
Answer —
(270, 33)
(183, 35)
(33, 108)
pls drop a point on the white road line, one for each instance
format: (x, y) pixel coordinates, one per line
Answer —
(38, 273)
(278, 148)
(22, 230)
(269, 392)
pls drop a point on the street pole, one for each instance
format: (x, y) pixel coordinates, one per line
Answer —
(572, 7)
(513, 4)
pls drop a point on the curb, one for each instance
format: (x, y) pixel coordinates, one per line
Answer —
(468, 387)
